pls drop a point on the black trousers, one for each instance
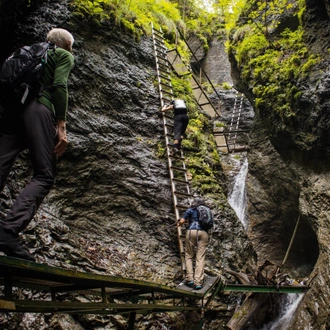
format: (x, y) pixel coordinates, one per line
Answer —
(34, 129)
(180, 125)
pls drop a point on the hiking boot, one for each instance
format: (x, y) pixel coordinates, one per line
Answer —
(175, 151)
(198, 287)
(189, 283)
(12, 247)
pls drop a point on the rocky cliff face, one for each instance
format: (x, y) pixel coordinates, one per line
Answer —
(110, 211)
(289, 179)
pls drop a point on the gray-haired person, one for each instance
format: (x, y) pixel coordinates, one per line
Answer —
(39, 127)
(198, 238)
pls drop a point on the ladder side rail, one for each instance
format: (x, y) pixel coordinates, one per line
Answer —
(203, 92)
(169, 92)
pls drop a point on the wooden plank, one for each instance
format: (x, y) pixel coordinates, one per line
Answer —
(7, 305)
(209, 283)
(35, 272)
(93, 308)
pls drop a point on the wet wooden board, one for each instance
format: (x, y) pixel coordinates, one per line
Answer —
(209, 283)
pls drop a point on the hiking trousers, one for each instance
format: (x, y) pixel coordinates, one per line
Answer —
(180, 122)
(33, 128)
(198, 239)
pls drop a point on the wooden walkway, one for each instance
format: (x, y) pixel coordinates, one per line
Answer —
(110, 294)
(40, 277)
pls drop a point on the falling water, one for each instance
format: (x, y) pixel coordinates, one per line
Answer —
(290, 305)
(237, 198)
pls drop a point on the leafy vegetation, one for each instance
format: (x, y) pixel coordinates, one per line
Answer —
(271, 66)
(133, 16)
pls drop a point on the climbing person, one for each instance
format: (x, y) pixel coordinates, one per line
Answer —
(181, 121)
(39, 126)
(196, 237)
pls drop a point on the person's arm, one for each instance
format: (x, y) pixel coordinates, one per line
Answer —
(60, 99)
(62, 139)
(167, 107)
(64, 64)
(185, 217)
(181, 222)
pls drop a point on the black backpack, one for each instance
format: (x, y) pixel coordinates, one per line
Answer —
(20, 73)
(205, 217)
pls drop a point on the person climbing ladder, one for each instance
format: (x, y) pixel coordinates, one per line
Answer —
(199, 219)
(181, 121)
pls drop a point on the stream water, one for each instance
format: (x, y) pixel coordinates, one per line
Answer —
(238, 197)
(289, 306)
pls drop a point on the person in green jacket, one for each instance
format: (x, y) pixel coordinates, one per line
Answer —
(41, 128)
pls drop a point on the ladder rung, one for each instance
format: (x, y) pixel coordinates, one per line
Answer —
(165, 70)
(159, 43)
(181, 206)
(167, 116)
(167, 92)
(161, 57)
(178, 168)
(165, 99)
(163, 66)
(207, 103)
(158, 37)
(183, 194)
(163, 77)
(177, 157)
(166, 85)
(169, 125)
(158, 33)
(181, 181)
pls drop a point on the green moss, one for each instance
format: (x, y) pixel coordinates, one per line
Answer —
(226, 86)
(272, 69)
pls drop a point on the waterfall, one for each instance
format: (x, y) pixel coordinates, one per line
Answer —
(238, 198)
(290, 305)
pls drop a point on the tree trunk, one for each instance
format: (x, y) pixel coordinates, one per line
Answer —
(243, 314)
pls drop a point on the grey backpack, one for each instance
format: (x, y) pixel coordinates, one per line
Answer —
(205, 217)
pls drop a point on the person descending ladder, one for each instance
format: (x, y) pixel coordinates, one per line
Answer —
(176, 164)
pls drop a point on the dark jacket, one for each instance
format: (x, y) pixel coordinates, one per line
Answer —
(192, 216)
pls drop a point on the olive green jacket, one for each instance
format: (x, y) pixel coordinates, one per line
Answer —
(54, 80)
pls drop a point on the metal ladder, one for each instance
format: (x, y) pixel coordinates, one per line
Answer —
(182, 69)
(177, 168)
(201, 97)
(234, 122)
(225, 138)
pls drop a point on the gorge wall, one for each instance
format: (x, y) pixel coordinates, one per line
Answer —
(110, 210)
(289, 177)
